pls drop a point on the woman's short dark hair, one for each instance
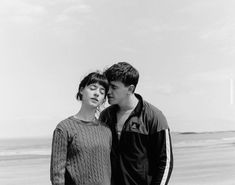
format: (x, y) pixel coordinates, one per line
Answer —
(94, 77)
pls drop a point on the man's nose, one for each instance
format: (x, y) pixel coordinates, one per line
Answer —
(109, 91)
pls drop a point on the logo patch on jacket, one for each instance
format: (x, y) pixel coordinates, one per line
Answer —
(135, 126)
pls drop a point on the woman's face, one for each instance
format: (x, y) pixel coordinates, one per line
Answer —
(93, 95)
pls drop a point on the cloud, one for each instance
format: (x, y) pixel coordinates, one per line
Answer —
(62, 18)
(166, 89)
(213, 76)
(19, 11)
(215, 23)
(81, 9)
(72, 12)
(128, 49)
(222, 33)
(195, 84)
(223, 30)
(27, 117)
(196, 7)
(210, 8)
(214, 20)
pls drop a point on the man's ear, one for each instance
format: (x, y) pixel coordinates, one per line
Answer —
(131, 89)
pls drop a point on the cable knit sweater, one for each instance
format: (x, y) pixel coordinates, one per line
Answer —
(80, 153)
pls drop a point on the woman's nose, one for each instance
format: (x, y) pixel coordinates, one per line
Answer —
(96, 93)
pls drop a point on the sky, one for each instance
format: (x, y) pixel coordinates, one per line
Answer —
(184, 51)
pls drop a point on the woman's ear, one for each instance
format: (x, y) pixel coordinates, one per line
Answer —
(81, 90)
(80, 93)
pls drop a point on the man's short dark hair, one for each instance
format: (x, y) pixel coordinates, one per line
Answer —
(123, 72)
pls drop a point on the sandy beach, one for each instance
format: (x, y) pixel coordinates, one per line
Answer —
(204, 159)
(199, 159)
(25, 171)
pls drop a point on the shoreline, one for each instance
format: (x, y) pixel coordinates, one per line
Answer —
(199, 159)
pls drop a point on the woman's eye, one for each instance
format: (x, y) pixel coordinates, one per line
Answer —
(92, 87)
(102, 91)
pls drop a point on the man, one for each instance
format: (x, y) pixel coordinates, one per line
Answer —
(141, 148)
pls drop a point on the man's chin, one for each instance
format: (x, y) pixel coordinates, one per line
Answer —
(111, 102)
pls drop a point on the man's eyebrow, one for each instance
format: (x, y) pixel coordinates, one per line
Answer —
(113, 85)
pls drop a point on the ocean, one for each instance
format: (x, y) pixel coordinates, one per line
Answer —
(199, 159)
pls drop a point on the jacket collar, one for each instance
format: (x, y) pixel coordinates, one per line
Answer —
(136, 111)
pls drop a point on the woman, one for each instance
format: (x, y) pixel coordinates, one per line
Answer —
(81, 144)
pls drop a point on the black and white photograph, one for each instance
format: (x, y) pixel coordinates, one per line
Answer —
(101, 92)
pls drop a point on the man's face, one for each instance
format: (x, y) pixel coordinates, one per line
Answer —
(117, 93)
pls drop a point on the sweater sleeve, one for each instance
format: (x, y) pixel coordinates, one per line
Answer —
(58, 157)
(162, 157)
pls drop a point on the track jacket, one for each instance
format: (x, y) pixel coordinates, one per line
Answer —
(143, 154)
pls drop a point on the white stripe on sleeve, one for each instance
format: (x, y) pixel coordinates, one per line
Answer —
(168, 158)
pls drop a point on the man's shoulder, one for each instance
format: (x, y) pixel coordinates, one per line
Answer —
(147, 107)
(151, 109)
(107, 112)
(154, 116)
(110, 108)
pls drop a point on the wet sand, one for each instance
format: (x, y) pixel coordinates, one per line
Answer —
(25, 170)
(206, 159)
(199, 159)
